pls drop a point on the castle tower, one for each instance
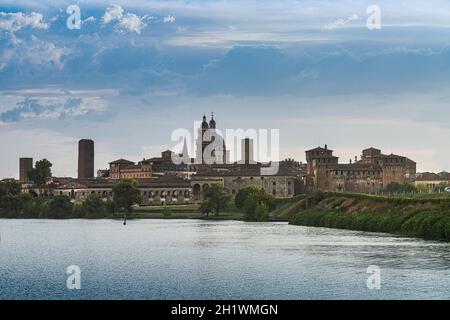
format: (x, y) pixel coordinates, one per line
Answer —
(85, 159)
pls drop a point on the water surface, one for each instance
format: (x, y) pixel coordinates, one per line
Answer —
(190, 259)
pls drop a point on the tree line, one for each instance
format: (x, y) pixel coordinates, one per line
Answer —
(16, 204)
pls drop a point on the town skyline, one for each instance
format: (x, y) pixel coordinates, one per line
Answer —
(100, 163)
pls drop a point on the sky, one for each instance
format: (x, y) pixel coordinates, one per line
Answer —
(135, 71)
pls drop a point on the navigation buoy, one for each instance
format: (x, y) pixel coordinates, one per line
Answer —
(125, 220)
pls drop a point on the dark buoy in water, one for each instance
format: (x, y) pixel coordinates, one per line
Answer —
(125, 220)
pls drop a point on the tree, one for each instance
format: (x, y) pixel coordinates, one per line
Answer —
(206, 208)
(396, 187)
(126, 194)
(41, 172)
(216, 198)
(94, 207)
(10, 198)
(257, 204)
(59, 207)
(9, 186)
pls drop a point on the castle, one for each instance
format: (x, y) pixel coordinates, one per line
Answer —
(161, 180)
(370, 174)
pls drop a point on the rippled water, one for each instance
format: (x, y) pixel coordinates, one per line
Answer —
(189, 259)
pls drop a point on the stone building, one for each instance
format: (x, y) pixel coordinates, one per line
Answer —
(370, 174)
(237, 176)
(160, 190)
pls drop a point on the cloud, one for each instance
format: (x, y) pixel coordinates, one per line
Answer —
(125, 23)
(112, 13)
(342, 22)
(16, 21)
(169, 19)
(70, 108)
(130, 23)
(34, 51)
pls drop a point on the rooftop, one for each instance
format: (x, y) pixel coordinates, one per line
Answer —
(122, 161)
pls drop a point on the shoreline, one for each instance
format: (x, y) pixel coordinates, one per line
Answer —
(427, 219)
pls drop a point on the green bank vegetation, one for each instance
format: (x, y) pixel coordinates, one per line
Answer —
(15, 204)
(250, 204)
(414, 216)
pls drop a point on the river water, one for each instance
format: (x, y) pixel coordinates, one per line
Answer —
(191, 259)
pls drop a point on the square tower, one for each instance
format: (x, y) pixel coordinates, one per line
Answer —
(85, 159)
(25, 166)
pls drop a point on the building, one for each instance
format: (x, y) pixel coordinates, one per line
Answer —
(125, 169)
(25, 166)
(236, 177)
(210, 144)
(430, 180)
(85, 159)
(148, 168)
(370, 174)
(165, 165)
(158, 190)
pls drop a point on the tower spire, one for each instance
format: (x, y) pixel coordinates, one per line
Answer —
(212, 123)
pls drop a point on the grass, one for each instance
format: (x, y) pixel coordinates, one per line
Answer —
(187, 215)
(175, 208)
(184, 211)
